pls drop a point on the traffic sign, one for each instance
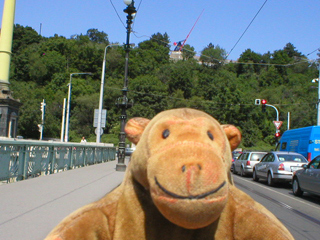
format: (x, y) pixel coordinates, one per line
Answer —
(277, 124)
(103, 117)
(96, 131)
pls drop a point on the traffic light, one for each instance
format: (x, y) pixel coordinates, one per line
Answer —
(277, 135)
(263, 104)
(257, 102)
(42, 106)
(43, 110)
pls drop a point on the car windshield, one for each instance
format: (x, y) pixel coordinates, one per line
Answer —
(236, 154)
(291, 158)
(257, 156)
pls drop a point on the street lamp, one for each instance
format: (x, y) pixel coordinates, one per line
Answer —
(66, 136)
(318, 103)
(123, 102)
(101, 93)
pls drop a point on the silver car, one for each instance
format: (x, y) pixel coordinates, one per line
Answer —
(246, 161)
(129, 151)
(307, 179)
(278, 166)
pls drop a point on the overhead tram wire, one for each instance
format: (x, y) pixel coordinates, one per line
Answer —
(318, 49)
(247, 28)
(135, 16)
(117, 14)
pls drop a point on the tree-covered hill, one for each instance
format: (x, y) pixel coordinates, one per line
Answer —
(41, 67)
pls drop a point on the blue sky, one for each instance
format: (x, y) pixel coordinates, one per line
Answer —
(221, 23)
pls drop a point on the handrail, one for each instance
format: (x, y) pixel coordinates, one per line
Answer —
(23, 159)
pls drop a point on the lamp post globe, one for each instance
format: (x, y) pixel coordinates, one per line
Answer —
(127, 2)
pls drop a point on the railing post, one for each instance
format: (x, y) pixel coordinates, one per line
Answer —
(84, 156)
(26, 157)
(53, 159)
(94, 155)
(49, 160)
(71, 158)
(22, 161)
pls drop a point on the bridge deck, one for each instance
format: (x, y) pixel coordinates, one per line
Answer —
(30, 209)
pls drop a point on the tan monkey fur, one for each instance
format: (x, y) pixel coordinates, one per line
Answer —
(177, 186)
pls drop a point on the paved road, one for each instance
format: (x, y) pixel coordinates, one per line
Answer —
(300, 215)
(30, 209)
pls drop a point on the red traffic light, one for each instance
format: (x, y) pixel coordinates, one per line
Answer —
(263, 101)
(277, 134)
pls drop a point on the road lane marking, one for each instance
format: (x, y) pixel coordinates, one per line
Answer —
(282, 204)
(294, 198)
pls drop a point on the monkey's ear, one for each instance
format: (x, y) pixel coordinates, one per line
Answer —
(135, 127)
(233, 135)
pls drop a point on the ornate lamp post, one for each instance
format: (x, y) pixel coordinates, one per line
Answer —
(123, 103)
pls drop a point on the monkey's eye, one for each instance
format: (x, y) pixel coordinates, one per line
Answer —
(210, 135)
(165, 133)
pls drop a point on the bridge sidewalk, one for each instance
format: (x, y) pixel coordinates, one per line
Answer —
(30, 209)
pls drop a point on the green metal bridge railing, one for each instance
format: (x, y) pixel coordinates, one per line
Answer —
(23, 159)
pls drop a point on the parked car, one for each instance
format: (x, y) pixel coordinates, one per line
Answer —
(246, 161)
(235, 155)
(129, 151)
(307, 179)
(278, 166)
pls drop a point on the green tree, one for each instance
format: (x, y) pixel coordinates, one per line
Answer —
(180, 77)
(97, 36)
(149, 56)
(213, 55)
(148, 95)
(23, 37)
(161, 39)
(188, 52)
(248, 56)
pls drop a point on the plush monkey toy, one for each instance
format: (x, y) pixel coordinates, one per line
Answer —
(177, 186)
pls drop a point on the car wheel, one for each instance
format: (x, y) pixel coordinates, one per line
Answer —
(255, 176)
(234, 170)
(270, 180)
(296, 188)
(242, 174)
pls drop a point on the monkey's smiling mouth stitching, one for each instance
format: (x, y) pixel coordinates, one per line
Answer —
(199, 196)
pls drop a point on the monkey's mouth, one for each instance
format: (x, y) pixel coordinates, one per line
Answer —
(198, 196)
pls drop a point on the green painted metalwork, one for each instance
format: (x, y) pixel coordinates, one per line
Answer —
(22, 159)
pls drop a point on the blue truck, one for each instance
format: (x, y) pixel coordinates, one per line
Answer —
(305, 141)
